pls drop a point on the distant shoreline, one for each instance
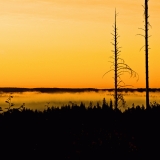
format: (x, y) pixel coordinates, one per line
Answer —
(73, 90)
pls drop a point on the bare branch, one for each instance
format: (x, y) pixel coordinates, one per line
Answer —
(140, 35)
(107, 72)
(142, 47)
(141, 29)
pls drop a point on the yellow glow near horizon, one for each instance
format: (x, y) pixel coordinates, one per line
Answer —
(59, 43)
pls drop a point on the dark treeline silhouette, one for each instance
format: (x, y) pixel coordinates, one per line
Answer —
(73, 90)
(80, 132)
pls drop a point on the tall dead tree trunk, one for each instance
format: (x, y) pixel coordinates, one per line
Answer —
(146, 37)
(146, 52)
(119, 67)
(115, 61)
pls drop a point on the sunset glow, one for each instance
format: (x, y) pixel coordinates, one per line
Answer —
(59, 43)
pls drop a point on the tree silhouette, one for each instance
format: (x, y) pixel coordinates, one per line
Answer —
(146, 50)
(119, 67)
(146, 37)
(10, 104)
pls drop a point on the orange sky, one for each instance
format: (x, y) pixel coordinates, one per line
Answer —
(66, 43)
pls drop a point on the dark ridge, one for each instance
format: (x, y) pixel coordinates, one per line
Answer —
(73, 90)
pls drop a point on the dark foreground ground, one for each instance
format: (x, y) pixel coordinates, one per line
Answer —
(75, 132)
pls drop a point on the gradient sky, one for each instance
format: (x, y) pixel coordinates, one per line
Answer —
(66, 43)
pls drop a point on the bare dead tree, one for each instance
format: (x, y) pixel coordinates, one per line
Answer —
(146, 37)
(146, 49)
(119, 67)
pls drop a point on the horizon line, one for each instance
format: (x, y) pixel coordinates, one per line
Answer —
(72, 88)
